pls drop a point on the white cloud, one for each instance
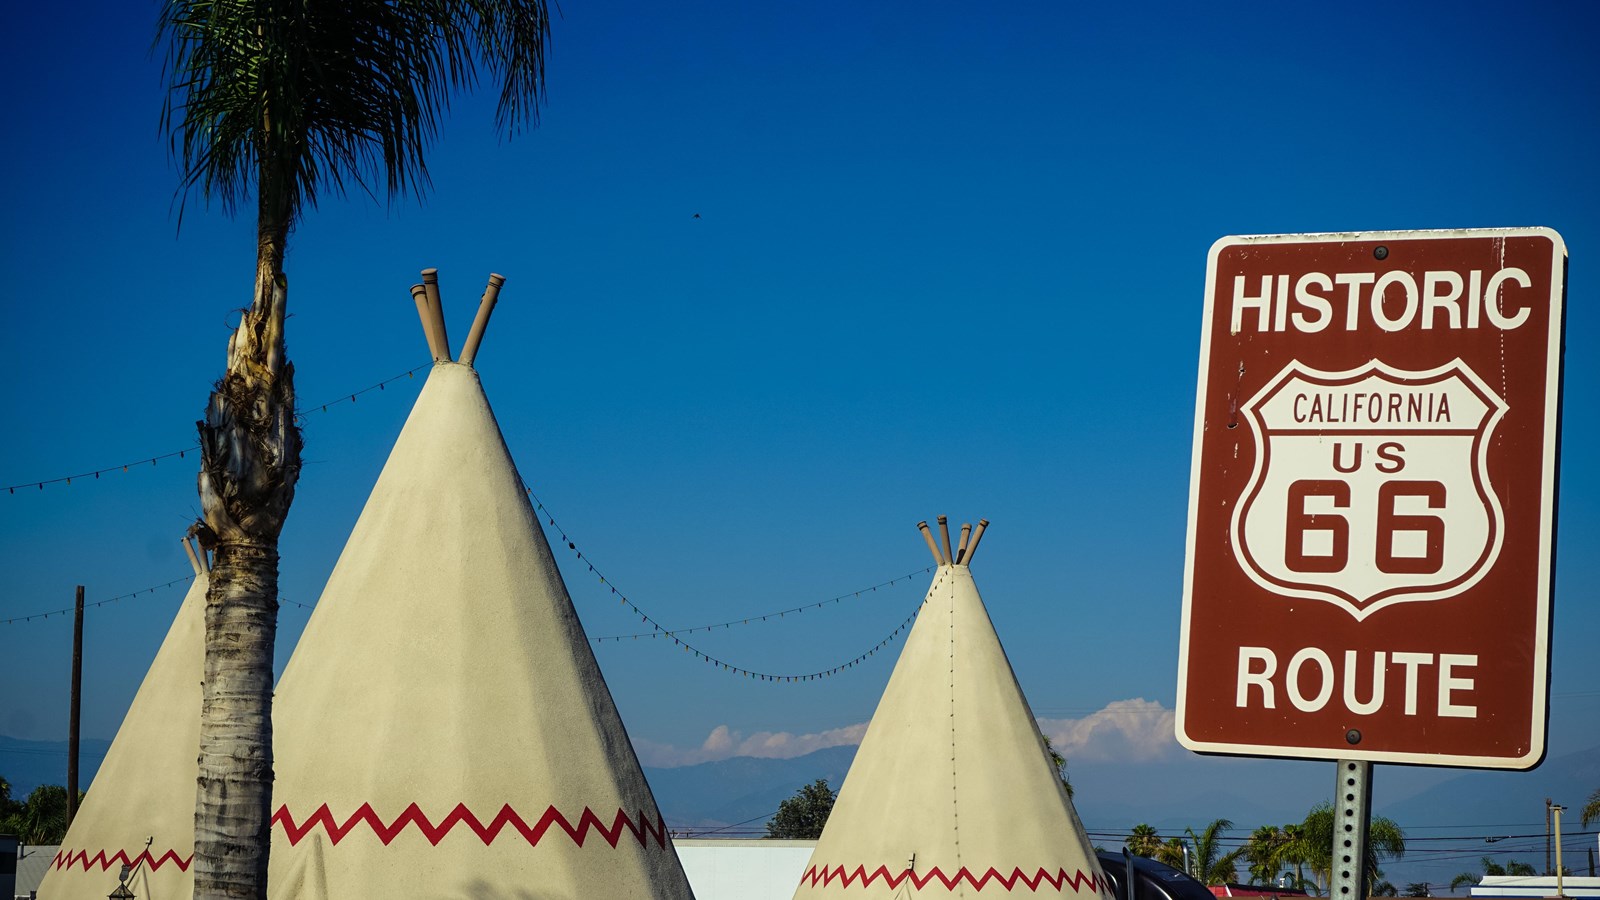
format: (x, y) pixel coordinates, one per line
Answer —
(1124, 730)
(723, 743)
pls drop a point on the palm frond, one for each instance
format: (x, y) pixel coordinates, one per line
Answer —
(290, 98)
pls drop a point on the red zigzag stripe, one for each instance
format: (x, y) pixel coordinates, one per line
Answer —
(644, 829)
(66, 859)
(1077, 881)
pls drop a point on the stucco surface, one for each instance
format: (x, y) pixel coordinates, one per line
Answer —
(442, 729)
(145, 789)
(952, 771)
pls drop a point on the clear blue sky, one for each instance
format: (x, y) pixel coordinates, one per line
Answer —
(949, 259)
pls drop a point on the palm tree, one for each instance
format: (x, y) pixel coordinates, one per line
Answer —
(1385, 840)
(1210, 865)
(1143, 840)
(1296, 852)
(1591, 810)
(1171, 853)
(288, 99)
(1264, 850)
(1490, 867)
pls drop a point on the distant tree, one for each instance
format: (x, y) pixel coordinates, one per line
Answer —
(1385, 889)
(41, 819)
(1170, 852)
(1209, 864)
(1490, 867)
(1296, 853)
(8, 806)
(1591, 810)
(1143, 840)
(1417, 889)
(1060, 764)
(1264, 850)
(802, 816)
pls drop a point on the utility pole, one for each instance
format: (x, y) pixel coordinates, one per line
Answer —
(1558, 810)
(77, 703)
(1547, 835)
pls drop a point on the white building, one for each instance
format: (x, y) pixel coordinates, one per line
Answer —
(1519, 887)
(743, 869)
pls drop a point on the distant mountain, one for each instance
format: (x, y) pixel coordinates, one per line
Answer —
(28, 764)
(1489, 798)
(743, 789)
(1170, 793)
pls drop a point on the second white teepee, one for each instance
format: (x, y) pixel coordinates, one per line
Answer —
(952, 793)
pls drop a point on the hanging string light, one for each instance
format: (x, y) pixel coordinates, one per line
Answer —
(120, 597)
(662, 632)
(152, 460)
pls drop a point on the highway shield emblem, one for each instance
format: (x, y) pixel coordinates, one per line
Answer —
(1370, 485)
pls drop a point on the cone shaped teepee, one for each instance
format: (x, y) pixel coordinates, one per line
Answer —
(951, 793)
(139, 811)
(442, 730)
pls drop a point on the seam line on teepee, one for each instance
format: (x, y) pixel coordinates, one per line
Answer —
(955, 804)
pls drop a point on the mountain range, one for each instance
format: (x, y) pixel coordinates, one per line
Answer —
(738, 795)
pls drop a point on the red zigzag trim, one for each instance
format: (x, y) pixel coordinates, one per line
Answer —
(66, 859)
(643, 830)
(1077, 881)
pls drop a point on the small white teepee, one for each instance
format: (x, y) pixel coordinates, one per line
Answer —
(951, 793)
(443, 730)
(139, 812)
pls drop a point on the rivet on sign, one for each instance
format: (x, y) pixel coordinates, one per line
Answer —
(1381, 253)
(1353, 736)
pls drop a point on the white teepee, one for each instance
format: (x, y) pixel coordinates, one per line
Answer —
(951, 793)
(442, 730)
(139, 811)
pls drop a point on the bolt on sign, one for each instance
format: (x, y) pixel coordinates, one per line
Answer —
(1372, 499)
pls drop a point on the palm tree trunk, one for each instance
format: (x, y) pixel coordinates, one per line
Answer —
(250, 461)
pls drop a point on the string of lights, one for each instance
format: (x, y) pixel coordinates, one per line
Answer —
(180, 454)
(660, 631)
(753, 620)
(120, 597)
(746, 620)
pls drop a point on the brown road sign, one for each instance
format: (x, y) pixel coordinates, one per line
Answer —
(1372, 499)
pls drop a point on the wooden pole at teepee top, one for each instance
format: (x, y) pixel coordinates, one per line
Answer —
(977, 535)
(430, 282)
(961, 548)
(944, 538)
(932, 547)
(419, 294)
(194, 561)
(469, 351)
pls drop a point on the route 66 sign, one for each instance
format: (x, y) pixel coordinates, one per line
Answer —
(1373, 496)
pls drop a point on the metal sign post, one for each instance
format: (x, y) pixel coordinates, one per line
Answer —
(1352, 821)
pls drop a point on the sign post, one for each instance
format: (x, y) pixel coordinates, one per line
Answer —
(1372, 499)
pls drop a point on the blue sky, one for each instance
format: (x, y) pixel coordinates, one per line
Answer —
(948, 259)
